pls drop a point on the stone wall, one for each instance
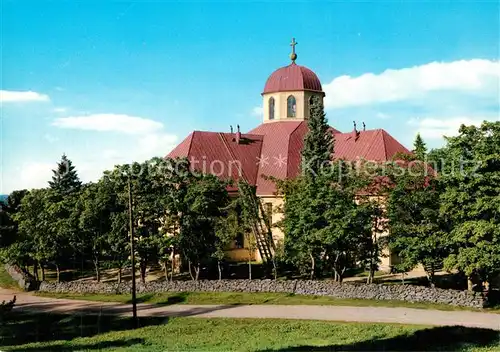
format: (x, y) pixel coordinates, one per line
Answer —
(302, 287)
(25, 280)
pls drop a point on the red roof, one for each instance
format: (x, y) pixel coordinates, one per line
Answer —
(291, 78)
(273, 149)
(220, 154)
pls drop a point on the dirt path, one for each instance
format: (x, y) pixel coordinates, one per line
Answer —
(26, 301)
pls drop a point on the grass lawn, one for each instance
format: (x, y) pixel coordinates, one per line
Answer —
(6, 280)
(252, 298)
(46, 332)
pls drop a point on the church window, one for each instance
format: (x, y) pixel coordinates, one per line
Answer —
(239, 241)
(291, 104)
(271, 108)
(269, 211)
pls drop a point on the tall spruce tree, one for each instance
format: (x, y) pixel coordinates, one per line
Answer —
(420, 149)
(319, 141)
(65, 179)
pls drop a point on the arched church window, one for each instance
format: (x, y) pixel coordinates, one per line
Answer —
(291, 104)
(239, 241)
(271, 108)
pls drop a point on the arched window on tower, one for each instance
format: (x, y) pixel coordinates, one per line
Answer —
(271, 108)
(291, 104)
(309, 105)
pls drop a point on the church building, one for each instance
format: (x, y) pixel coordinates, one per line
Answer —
(274, 147)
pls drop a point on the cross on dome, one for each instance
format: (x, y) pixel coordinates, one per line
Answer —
(293, 55)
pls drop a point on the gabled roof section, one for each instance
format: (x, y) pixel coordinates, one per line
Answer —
(274, 149)
(274, 155)
(373, 145)
(220, 154)
(182, 150)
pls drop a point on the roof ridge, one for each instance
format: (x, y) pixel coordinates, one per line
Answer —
(288, 146)
(221, 135)
(381, 131)
(191, 143)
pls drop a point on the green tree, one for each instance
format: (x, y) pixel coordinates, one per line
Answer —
(205, 198)
(227, 228)
(8, 226)
(470, 201)
(95, 205)
(147, 208)
(118, 239)
(323, 224)
(37, 234)
(65, 179)
(438, 160)
(417, 233)
(419, 147)
(318, 142)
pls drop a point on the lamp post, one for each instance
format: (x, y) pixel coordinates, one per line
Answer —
(132, 253)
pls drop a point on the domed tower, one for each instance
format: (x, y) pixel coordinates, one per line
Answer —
(288, 92)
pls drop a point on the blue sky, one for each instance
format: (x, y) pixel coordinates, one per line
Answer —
(111, 82)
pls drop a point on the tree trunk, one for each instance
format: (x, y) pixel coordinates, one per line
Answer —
(172, 266)
(35, 270)
(190, 271)
(430, 278)
(58, 273)
(197, 271)
(143, 268)
(249, 270)
(220, 269)
(313, 266)
(371, 273)
(470, 285)
(43, 271)
(341, 276)
(369, 279)
(96, 268)
(275, 269)
(165, 266)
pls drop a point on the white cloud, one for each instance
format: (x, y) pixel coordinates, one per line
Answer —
(50, 138)
(476, 76)
(90, 161)
(382, 116)
(33, 175)
(109, 123)
(258, 111)
(60, 109)
(436, 128)
(152, 144)
(9, 96)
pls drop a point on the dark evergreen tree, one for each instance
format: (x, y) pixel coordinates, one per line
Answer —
(420, 149)
(8, 209)
(318, 142)
(65, 179)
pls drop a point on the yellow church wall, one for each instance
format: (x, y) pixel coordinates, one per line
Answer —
(280, 105)
(241, 255)
(236, 254)
(276, 215)
(387, 259)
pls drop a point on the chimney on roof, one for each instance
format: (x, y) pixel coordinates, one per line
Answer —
(364, 126)
(355, 132)
(231, 127)
(238, 134)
